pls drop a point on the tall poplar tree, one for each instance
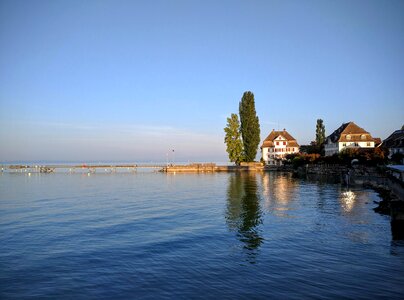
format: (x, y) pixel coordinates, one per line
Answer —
(320, 132)
(233, 139)
(249, 126)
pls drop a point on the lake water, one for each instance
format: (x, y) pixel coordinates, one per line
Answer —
(226, 236)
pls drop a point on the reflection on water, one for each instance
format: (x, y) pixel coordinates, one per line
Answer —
(278, 191)
(243, 210)
(347, 200)
(162, 236)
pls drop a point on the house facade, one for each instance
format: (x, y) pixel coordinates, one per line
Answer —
(348, 136)
(395, 142)
(276, 146)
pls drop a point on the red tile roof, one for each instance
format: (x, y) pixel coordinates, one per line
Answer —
(350, 132)
(269, 141)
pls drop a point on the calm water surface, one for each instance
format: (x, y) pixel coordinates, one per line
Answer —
(152, 236)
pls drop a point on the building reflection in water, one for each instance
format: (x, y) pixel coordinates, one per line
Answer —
(278, 190)
(243, 213)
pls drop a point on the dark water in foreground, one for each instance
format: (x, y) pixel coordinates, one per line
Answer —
(153, 236)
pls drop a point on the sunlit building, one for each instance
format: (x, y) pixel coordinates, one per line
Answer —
(348, 136)
(277, 145)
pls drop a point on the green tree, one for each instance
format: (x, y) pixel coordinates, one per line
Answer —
(249, 126)
(320, 133)
(233, 139)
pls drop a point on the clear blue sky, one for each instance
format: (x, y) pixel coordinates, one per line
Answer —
(129, 80)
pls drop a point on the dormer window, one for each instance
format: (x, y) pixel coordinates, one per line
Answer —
(348, 136)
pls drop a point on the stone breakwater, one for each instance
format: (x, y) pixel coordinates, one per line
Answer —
(211, 167)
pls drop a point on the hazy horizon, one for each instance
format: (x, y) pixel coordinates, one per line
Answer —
(132, 80)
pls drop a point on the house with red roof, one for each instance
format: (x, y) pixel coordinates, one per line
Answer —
(348, 136)
(277, 145)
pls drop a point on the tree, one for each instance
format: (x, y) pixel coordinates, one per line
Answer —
(249, 126)
(320, 133)
(233, 139)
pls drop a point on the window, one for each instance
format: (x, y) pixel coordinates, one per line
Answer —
(356, 144)
(368, 144)
(284, 143)
(343, 144)
(363, 137)
(348, 137)
(277, 143)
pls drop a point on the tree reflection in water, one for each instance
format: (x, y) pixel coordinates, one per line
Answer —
(243, 210)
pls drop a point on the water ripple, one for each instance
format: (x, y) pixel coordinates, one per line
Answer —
(149, 236)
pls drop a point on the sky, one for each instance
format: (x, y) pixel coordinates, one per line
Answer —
(123, 80)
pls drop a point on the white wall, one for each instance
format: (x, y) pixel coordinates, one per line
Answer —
(265, 154)
(351, 144)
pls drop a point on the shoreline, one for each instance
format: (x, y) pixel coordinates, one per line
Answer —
(389, 187)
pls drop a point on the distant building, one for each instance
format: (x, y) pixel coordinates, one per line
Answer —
(348, 136)
(277, 145)
(395, 142)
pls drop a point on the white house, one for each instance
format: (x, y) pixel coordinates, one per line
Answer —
(348, 136)
(277, 145)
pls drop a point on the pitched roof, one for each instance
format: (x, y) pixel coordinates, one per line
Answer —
(396, 139)
(350, 132)
(267, 144)
(292, 144)
(269, 141)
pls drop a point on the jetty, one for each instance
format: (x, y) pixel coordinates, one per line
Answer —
(112, 168)
(212, 167)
